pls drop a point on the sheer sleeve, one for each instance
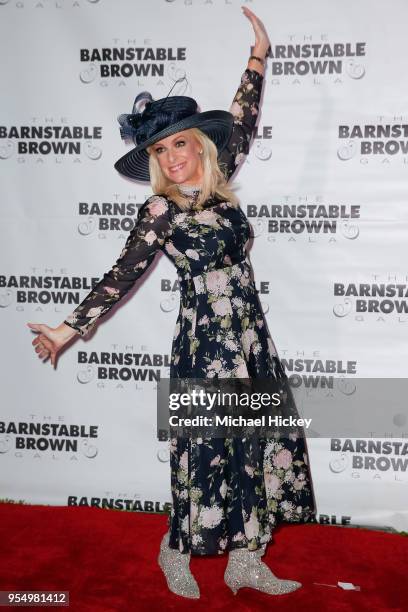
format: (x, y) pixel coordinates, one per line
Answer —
(150, 233)
(244, 108)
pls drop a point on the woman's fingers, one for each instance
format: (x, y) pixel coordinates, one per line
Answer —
(38, 327)
(43, 345)
(45, 341)
(35, 326)
(42, 350)
(260, 32)
(43, 334)
(251, 16)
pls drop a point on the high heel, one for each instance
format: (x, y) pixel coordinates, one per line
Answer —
(245, 569)
(175, 567)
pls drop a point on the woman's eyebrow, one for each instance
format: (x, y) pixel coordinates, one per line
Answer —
(174, 140)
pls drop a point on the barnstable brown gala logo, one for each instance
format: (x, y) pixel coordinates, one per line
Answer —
(107, 216)
(125, 366)
(374, 455)
(120, 503)
(306, 217)
(383, 141)
(316, 56)
(53, 287)
(49, 437)
(128, 61)
(382, 298)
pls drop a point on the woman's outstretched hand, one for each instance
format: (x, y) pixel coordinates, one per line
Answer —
(262, 42)
(50, 340)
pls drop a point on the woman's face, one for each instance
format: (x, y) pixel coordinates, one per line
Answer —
(179, 158)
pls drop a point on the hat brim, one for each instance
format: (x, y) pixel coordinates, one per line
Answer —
(217, 125)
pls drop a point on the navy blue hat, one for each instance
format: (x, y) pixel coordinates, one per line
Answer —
(161, 118)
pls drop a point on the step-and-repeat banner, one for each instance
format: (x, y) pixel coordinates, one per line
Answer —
(324, 187)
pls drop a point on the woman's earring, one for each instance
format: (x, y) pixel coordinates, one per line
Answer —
(201, 152)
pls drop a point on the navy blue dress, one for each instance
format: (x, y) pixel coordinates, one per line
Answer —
(226, 493)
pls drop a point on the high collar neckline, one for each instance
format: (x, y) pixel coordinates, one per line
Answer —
(189, 189)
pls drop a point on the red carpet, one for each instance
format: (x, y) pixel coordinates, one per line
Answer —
(107, 561)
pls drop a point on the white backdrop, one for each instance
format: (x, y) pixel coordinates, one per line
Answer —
(65, 214)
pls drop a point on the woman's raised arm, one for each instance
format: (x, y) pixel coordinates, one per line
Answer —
(245, 104)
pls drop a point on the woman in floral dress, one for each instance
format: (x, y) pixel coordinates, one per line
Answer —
(229, 493)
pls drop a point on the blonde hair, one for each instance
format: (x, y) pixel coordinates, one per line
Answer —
(213, 182)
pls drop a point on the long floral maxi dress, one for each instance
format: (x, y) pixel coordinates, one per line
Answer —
(226, 493)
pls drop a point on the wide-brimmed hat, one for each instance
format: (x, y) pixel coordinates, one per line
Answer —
(162, 118)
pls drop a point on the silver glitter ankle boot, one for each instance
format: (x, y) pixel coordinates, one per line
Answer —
(175, 566)
(245, 569)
